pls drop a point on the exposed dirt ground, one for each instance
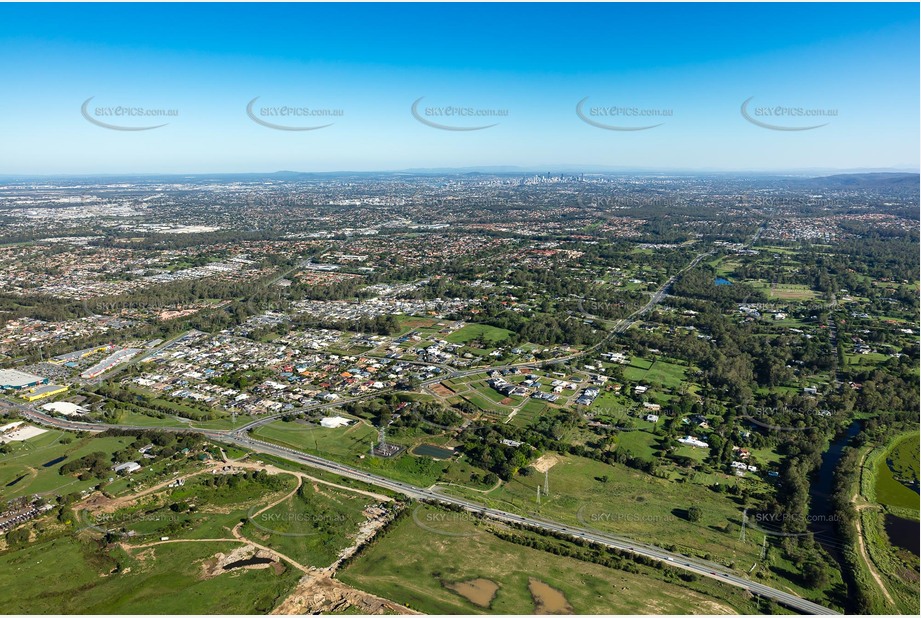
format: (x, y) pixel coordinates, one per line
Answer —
(317, 593)
(545, 462)
(214, 566)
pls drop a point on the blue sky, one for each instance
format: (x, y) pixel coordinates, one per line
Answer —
(696, 64)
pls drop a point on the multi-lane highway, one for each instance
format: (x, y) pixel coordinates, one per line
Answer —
(419, 493)
(240, 437)
(679, 561)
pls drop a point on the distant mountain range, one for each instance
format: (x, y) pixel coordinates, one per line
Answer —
(819, 179)
(877, 180)
(603, 169)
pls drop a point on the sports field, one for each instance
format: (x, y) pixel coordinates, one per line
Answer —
(784, 291)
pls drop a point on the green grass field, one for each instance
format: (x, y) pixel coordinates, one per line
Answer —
(640, 505)
(136, 419)
(75, 572)
(658, 372)
(645, 508)
(637, 443)
(639, 363)
(181, 409)
(490, 334)
(904, 461)
(483, 403)
(784, 291)
(212, 512)
(462, 473)
(494, 395)
(347, 444)
(529, 412)
(70, 575)
(411, 322)
(726, 268)
(873, 358)
(892, 563)
(71, 570)
(613, 406)
(413, 564)
(27, 462)
(312, 526)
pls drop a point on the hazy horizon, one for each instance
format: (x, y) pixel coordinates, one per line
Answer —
(497, 170)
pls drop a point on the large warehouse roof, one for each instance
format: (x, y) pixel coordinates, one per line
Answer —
(12, 378)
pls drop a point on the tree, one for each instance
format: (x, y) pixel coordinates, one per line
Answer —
(17, 537)
(694, 513)
(814, 576)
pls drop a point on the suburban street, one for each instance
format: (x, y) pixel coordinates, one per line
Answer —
(241, 437)
(675, 560)
(606, 309)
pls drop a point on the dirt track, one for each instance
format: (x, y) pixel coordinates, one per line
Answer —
(317, 591)
(859, 504)
(866, 558)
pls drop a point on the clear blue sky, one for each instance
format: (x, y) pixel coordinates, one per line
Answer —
(536, 61)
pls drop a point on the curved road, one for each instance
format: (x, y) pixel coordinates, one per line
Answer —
(240, 437)
(675, 560)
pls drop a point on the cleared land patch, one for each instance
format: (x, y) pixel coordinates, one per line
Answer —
(415, 566)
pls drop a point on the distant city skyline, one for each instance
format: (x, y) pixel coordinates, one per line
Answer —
(385, 88)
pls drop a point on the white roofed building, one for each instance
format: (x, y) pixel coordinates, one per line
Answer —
(333, 422)
(64, 408)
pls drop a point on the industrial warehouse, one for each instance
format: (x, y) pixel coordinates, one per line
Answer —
(12, 379)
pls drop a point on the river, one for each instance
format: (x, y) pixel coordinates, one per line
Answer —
(822, 522)
(821, 509)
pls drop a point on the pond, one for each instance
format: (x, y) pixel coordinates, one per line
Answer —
(478, 591)
(903, 533)
(722, 281)
(16, 480)
(54, 461)
(436, 452)
(547, 599)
